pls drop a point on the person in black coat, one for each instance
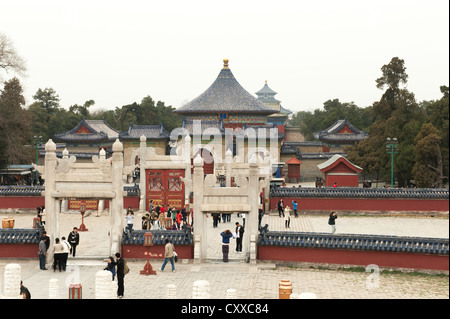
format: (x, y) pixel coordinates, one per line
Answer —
(120, 275)
(74, 240)
(331, 221)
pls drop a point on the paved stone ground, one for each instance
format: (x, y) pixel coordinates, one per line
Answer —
(250, 281)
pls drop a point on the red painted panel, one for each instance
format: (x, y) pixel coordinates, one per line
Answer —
(353, 257)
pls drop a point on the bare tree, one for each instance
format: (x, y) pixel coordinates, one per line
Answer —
(9, 59)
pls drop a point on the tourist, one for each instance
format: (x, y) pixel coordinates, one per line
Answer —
(144, 223)
(111, 266)
(65, 253)
(156, 225)
(280, 206)
(42, 215)
(58, 250)
(287, 217)
(129, 218)
(42, 253)
(46, 239)
(239, 236)
(120, 275)
(38, 211)
(216, 218)
(162, 221)
(226, 235)
(150, 206)
(260, 217)
(184, 214)
(331, 221)
(174, 213)
(74, 240)
(294, 206)
(24, 292)
(168, 255)
(179, 219)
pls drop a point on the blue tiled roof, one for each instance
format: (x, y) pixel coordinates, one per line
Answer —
(176, 237)
(101, 132)
(331, 133)
(435, 246)
(19, 236)
(150, 132)
(225, 95)
(357, 192)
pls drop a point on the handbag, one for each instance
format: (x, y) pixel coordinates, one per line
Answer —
(175, 256)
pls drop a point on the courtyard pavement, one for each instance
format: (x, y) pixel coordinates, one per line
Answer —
(258, 281)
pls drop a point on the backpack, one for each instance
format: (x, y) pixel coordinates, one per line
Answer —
(126, 269)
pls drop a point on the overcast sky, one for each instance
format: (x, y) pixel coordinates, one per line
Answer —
(117, 52)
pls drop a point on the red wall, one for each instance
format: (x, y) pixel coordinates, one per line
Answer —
(354, 257)
(30, 202)
(342, 180)
(156, 251)
(364, 204)
(19, 251)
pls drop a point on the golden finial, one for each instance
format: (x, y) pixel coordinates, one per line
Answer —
(225, 63)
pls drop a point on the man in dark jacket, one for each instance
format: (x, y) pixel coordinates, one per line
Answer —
(120, 275)
(74, 240)
(331, 221)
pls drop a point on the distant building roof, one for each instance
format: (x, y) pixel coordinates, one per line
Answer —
(225, 95)
(334, 161)
(88, 131)
(341, 130)
(149, 131)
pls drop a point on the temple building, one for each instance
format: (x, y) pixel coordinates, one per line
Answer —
(227, 109)
(267, 96)
(338, 135)
(87, 139)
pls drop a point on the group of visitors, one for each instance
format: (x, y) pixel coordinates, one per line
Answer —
(61, 249)
(224, 218)
(285, 212)
(158, 218)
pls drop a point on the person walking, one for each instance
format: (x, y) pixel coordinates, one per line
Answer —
(239, 237)
(287, 217)
(120, 275)
(331, 221)
(65, 254)
(57, 254)
(74, 240)
(168, 255)
(226, 235)
(42, 253)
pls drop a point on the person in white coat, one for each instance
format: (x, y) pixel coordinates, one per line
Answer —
(287, 217)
